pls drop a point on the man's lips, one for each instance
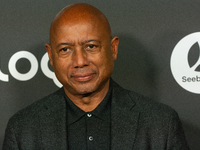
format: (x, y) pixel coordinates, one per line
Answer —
(83, 77)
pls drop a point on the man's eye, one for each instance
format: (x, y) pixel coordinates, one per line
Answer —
(91, 46)
(64, 49)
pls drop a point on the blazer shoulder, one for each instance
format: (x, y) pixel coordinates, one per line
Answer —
(139, 103)
(30, 112)
(151, 107)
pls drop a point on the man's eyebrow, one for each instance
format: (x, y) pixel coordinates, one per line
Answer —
(64, 44)
(92, 40)
(86, 41)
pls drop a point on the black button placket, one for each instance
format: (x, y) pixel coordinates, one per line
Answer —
(90, 138)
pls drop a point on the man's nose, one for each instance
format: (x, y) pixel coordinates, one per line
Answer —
(80, 58)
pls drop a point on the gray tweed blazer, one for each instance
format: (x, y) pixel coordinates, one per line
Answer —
(138, 123)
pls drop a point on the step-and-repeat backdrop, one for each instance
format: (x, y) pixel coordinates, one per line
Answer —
(159, 54)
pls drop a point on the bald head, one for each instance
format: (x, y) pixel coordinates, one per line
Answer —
(82, 51)
(80, 13)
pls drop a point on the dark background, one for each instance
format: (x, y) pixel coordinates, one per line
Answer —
(148, 32)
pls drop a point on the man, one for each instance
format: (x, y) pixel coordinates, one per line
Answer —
(91, 111)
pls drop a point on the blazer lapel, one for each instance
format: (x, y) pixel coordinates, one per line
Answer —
(124, 120)
(53, 123)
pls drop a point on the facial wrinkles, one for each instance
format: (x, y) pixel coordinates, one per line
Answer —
(86, 69)
(74, 38)
(97, 21)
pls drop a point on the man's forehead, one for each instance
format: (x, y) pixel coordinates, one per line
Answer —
(82, 28)
(77, 20)
(80, 14)
(79, 11)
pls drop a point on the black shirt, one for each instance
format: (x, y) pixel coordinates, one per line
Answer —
(89, 130)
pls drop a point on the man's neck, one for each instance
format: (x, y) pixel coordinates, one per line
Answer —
(90, 101)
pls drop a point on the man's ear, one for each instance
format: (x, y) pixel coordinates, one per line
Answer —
(114, 47)
(48, 48)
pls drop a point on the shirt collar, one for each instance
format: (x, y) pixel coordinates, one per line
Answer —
(73, 112)
(101, 111)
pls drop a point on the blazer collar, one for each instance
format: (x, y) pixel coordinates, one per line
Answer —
(53, 122)
(124, 119)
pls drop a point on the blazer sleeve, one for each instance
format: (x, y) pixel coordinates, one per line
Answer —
(10, 142)
(176, 137)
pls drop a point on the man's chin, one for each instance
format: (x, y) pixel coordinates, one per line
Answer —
(85, 91)
(85, 87)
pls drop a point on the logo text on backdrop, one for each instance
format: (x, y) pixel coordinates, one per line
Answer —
(185, 63)
(33, 68)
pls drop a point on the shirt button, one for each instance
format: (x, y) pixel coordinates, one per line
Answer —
(89, 115)
(90, 138)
